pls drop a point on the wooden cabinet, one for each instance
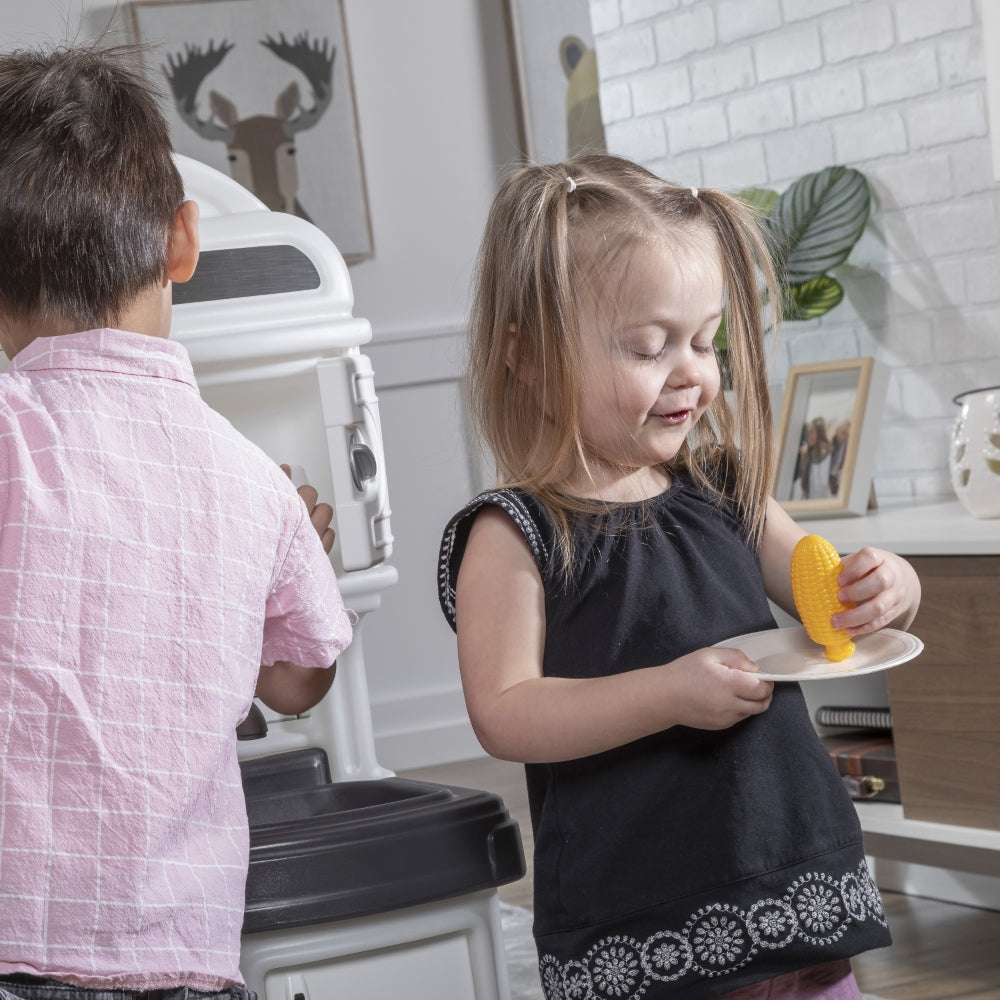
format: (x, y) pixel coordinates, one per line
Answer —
(946, 703)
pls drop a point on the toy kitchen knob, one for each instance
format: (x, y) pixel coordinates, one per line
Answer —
(974, 458)
(364, 465)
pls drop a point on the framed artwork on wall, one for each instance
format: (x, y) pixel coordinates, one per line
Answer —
(827, 433)
(991, 54)
(555, 72)
(263, 92)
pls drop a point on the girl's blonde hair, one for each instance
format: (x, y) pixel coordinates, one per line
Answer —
(524, 376)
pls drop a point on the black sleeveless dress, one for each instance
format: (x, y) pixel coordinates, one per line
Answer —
(688, 863)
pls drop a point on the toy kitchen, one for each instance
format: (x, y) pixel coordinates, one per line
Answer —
(361, 884)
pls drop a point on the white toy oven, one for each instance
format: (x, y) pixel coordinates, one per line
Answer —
(361, 884)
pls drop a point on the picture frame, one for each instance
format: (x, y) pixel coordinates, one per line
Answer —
(264, 92)
(556, 83)
(991, 54)
(826, 438)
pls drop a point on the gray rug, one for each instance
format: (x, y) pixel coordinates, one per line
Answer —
(522, 959)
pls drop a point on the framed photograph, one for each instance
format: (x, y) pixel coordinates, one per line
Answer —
(263, 92)
(827, 432)
(991, 53)
(555, 72)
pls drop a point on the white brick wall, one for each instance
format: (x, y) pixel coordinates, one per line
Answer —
(741, 93)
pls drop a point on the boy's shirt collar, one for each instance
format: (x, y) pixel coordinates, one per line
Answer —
(106, 350)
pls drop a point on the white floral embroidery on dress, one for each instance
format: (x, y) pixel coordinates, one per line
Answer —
(576, 982)
(853, 896)
(615, 969)
(817, 902)
(772, 923)
(718, 939)
(667, 956)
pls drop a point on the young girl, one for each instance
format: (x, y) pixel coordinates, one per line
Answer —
(692, 838)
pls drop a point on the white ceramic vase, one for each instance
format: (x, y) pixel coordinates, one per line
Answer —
(975, 452)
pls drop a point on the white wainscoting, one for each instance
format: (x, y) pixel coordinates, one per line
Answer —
(418, 711)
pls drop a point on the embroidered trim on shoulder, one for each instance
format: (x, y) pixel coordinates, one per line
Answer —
(717, 940)
(514, 506)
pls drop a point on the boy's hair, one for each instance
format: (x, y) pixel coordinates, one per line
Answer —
(554, 229)
(88, 188)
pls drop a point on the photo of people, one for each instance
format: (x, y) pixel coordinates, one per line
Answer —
(820, 460)
(827, 432)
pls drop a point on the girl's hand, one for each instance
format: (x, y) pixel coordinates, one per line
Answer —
(884, 587)
(715, 688)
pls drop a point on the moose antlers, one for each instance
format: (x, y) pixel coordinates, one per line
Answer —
(316, 64)
(185, 75)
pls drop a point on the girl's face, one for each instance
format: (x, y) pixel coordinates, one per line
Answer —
(648, 363)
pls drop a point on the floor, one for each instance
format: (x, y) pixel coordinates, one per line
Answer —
(940, 951)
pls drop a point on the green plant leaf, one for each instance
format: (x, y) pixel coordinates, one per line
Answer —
(762, 200)
(818, 219)
(721, 339)
(812, 298)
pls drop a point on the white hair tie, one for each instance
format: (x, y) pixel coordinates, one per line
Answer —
(572, 184)
(694, 192)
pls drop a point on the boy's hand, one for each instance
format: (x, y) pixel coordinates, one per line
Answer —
(884, 587)
(285, 687)
(321, 514)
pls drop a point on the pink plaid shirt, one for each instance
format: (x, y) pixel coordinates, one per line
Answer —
(151, 558)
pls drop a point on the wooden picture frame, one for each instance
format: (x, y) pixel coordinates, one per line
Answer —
(555, 79)
(827, 433)
(264, 92)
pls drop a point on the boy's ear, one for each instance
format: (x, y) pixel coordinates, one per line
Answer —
(183, 247)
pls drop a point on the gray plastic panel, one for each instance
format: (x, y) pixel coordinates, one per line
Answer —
(240, 272)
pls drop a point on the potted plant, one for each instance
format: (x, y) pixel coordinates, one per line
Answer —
(812, 227)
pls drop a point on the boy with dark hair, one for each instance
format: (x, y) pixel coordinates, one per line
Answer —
(151, 559)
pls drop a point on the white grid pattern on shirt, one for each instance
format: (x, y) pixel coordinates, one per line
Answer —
(144, 548)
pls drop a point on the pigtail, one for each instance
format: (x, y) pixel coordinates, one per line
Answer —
(747, 265)
(522, 369)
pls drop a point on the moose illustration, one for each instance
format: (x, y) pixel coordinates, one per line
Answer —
(261, 148)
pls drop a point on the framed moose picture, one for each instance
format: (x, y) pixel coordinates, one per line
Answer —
(263, 92)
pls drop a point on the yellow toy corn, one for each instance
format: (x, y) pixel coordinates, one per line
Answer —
(815, 568)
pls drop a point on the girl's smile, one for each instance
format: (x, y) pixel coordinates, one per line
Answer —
(674, 418)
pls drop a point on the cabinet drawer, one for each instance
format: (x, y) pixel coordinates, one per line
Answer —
(946, 703)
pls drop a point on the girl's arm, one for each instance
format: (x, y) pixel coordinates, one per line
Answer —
(780, 535)
(518, 714)
(883, 585)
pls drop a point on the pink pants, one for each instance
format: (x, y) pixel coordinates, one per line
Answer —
(830, 981)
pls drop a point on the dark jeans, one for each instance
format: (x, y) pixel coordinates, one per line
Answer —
(23, 987)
